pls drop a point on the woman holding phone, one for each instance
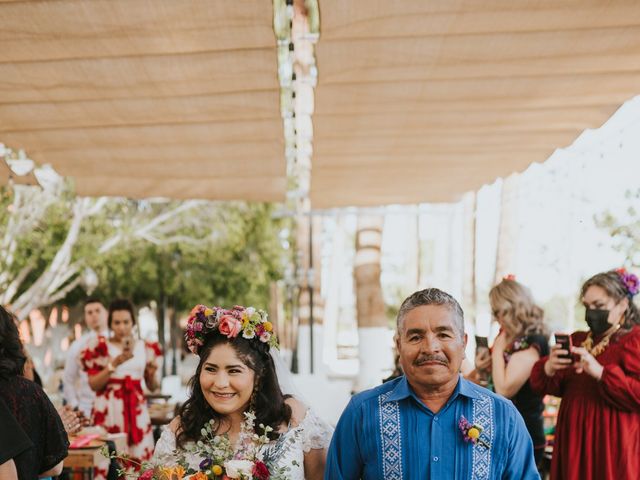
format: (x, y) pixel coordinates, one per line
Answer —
(521, 342)
(116, 368)
(599, 418)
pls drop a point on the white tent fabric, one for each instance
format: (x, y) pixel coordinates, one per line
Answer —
(146, 98)
(423, 100)
(417, 100)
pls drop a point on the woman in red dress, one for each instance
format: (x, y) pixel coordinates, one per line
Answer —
(598, 428)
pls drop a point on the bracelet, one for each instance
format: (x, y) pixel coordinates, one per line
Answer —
(111, 367)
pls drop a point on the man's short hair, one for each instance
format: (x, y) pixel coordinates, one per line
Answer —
(431, 296)
(92, 300)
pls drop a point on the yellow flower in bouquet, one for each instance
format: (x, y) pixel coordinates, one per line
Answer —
(217, 470)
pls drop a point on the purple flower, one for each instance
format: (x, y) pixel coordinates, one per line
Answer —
(629, 280)
(206, 463)
(471, 432)
(632, 283)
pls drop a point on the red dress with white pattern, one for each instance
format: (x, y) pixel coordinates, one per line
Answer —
(120, 406)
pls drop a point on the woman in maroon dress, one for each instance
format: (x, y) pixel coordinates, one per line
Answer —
(598, 429)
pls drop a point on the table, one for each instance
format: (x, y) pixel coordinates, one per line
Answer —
(82, 460)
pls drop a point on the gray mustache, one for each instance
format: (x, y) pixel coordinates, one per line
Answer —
(430, 358)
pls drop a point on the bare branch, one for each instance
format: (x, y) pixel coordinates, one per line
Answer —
(12, 289)
(60, 294)
(110, 243)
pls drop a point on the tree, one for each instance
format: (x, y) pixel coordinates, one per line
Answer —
(193, 251)
(625, 228)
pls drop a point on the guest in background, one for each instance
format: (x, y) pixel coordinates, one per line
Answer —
(116, 367)
(598, 427)
(31, 408)
(522, 340)
(77, 392)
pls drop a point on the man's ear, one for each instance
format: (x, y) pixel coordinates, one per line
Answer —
(396, 339)
(465, 338)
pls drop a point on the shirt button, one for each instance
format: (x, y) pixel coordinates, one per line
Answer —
(435, 459)
(435, 418)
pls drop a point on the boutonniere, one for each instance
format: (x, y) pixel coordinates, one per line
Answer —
(471, 432)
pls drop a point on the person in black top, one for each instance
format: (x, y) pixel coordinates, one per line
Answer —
(522, 341)
(31, 409)
(13, 442)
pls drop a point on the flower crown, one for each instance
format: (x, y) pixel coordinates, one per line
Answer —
(248, 321)
(629, 280)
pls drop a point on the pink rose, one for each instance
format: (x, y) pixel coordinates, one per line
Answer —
(229, 326)
(148, 475)
(265, 337)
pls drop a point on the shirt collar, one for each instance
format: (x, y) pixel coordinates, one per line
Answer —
(403, 390)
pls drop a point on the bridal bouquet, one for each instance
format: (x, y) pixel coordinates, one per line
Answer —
(217, 458)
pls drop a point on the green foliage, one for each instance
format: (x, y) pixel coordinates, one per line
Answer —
(625, 228)
(39, 244)
(216, 252)
(234, 266)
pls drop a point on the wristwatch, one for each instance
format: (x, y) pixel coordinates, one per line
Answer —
(110, 367)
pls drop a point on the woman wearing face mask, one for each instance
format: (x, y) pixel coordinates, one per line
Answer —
(236, 376)
(599, 418)
(116, 367)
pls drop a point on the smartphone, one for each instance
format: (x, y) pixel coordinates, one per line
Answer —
(564, 340)
(127, 343)
(482, 342)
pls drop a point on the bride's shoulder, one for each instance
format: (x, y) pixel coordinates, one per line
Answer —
(174, 425)
(298, 410)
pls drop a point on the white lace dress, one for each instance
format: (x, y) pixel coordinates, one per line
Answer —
(287, 451)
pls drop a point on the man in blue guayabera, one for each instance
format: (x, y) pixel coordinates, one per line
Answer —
(430, 423)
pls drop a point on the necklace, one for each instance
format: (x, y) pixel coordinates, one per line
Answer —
(600, 346)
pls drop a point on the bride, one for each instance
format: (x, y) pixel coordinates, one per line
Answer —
(235, 380)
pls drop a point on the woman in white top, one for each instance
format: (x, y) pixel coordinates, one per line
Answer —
(116, 368)
(236, 376)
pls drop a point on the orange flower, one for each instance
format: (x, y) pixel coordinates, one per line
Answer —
(172, 473)
(199, 476)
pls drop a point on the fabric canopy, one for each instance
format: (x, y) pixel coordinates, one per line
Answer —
(146, 98)
(423, 100)
(417, 100)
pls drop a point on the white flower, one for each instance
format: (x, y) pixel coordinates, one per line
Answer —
(238, 468)
(249, 311)
(249, 332)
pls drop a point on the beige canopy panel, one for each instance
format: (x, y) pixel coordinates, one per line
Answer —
(146, 98)
(422, 100)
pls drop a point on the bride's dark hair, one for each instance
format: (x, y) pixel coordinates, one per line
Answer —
(268, 402)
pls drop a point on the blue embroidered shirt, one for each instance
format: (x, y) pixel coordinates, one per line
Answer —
(387, 433)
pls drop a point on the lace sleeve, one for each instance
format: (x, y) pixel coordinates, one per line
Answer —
(316, 433)
(166, 446)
